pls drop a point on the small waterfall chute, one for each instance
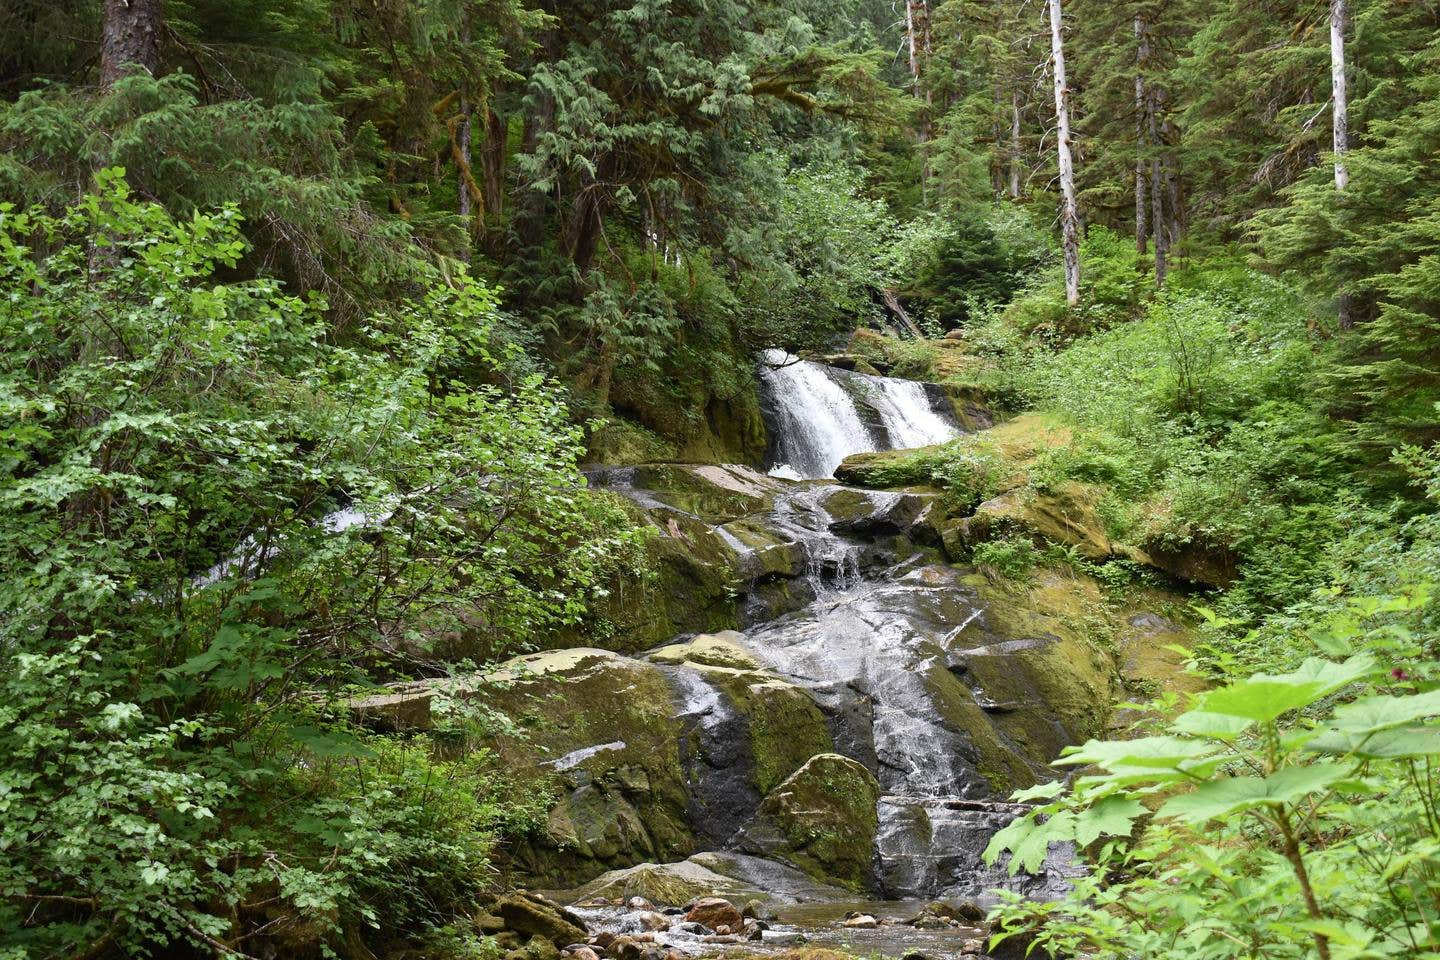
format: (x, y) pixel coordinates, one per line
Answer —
(819, 415)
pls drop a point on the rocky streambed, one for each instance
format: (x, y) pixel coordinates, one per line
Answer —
(814, 710)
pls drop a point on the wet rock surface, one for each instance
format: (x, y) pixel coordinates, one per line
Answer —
(818, 724)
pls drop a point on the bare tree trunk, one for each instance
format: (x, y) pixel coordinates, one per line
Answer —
(463, 137)
(1339, 96)
(1141, 220)
(1339, 91)
(1070, 211)
(917, 39)
(1015, 150)
(130, 36)
(492, 162)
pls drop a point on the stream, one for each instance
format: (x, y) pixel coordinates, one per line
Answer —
(886, 641)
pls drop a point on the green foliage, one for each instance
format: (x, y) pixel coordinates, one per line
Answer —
(1012, 557)
(830, 245)
(170, 772)
(1298, 813)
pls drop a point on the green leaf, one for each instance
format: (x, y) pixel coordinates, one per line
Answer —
(1378, 713)
(1264, 697)
(1046, 790)
(1217, 726)
(1381, 745)
(1110, 817)
(1162, 752)
(1219, 798)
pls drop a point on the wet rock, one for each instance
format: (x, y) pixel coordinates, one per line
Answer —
(822, 819)
(782, 938)
(914, 955)
(695, 929)
(532, 914)
(625, 948)
(581, 952)
(624, 798)
(969, 910)
(651, 920)
(668, 883)
(715, 912)
(709, 650)
(972, 947)
(488, 924)
(603, 939)
(638, 903)
(861, 922)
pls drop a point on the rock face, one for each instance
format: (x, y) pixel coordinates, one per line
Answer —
(822, 819)
(842, 706)
(608, 739)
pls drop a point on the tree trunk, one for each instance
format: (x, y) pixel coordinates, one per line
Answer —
(492, 162)
(1142, 47)
(130, 36)
(1015, 145)
(463, 138)
(1339, 91)
(1070, 211)
(917, 39)
(1339, 96)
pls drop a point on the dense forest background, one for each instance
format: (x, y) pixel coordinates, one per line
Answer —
(404, 265)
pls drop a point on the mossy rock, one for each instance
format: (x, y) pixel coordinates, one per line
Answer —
(601, 728)
(1039, 661)
(785, 727)
(668, 884)
(1067, 515)
(822, 818)
(710, 650)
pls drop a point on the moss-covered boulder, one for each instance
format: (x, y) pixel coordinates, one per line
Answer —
(1039, 661)
(784, 727)
(710, 650)
(821, 818)
(601, 729)
(1068, 515)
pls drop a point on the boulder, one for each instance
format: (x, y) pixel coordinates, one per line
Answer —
(822, 819)
(715, 912)
(601, 728)
(532, 914)
(710, 650)
(664, 883)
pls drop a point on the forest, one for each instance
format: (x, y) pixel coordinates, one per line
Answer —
(665, 479)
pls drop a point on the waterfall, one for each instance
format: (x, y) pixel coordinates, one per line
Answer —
(819, 415)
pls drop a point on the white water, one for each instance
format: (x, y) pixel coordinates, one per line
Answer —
(821, 415)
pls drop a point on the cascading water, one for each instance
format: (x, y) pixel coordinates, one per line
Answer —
(819, 415)
(880, 634)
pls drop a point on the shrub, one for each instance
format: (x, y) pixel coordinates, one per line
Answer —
(1012, 557)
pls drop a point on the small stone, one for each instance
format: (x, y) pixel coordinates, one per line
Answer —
(625, 948)
(650, 920)
(861, 922)
(971, 911)
(913, 955)
(697, 929)
(971, 947)
(724, 930)
(639, 903)
(603, 939)
(715, 912)
(782, 938)
(722, 938)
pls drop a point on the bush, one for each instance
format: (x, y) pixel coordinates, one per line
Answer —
(214, 519)
(1013, 557)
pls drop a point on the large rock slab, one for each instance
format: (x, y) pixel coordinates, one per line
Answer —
(602, 727)
(822, 819)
